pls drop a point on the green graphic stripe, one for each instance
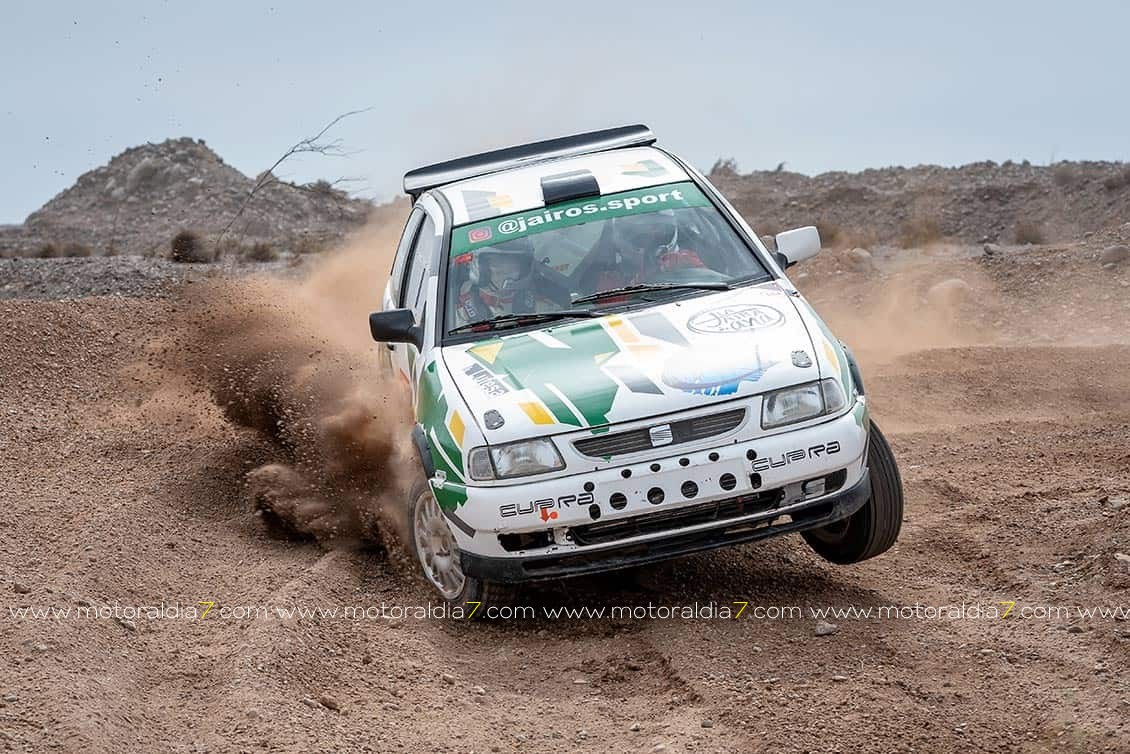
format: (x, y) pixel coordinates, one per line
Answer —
(450, 496)
(577, 212)
(529, 363)
(431, 412)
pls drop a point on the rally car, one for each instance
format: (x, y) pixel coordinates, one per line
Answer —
(609, 368)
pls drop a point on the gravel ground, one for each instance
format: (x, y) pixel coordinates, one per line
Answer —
(1004, 398)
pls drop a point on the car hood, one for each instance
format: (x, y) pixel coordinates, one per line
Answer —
(671, 357)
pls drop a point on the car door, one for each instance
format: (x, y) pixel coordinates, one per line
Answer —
(413, 294)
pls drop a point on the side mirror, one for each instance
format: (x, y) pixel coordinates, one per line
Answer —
(798, 245)
(396, 326)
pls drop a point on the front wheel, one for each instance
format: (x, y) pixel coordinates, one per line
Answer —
(873, 529)
(438, 554)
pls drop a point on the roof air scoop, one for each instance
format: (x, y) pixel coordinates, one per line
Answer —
(563, 187)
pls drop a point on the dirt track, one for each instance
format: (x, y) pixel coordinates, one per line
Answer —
(1012, 429)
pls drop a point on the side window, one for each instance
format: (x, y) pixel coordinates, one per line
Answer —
(423, 259)
(396, 277)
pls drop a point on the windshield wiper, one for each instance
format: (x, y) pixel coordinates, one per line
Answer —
(507, 320)
(641, 287)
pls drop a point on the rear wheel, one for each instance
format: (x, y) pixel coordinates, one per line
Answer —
(438, 554)
(873, 529)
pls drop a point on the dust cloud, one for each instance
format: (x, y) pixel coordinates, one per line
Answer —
(913, 306)
(292, 359)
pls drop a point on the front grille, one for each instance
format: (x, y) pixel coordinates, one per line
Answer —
(661, 521)
(684, 430)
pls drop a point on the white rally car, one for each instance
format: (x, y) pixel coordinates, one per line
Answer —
(608, 368)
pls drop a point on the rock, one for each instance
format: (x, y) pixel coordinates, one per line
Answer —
(948, 292)
(447, 678)
(635, 727)
(39, 647)
(479, 690)
(1122, 557)
(127, 624)
(20, 588)
(311, 702)
(823, 628)
(708, 723)
(1074, 629)
(1113, 255)
(580, 681)
(839, 678)
(141, 174)
(11, 698)
(659, 747)
(992, 249)
(860, 260)
(329, 702)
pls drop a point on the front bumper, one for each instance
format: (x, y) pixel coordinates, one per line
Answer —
(743, 489)
(803, 515)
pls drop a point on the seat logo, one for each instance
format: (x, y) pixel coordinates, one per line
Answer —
(661, 435)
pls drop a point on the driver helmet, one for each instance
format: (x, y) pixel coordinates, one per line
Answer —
(651, 234)
(501, 270)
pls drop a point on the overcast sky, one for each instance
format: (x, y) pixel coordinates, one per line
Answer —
(819, 85)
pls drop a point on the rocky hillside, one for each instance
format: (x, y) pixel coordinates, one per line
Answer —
(137, 202)
(977, 203)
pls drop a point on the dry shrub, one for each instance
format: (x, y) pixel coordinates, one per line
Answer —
(727, 167)
(73, 249)
(260, 251)
(851, 238)
(1029, 232)
(189, 247)
(920, 230)
(1117, 181)
(830, 233)
(309, 244)
(1065, 174)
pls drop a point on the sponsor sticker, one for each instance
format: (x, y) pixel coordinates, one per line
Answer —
(486, 381)
(735, 318)
(640, 201)
(480, 234)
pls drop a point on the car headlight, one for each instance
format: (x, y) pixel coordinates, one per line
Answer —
(514, 460)
(801, 402)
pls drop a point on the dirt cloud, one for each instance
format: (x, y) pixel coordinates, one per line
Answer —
(292, 360)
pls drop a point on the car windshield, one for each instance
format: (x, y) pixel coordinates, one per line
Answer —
(622, 248)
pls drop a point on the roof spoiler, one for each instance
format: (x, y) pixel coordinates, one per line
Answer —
(420, 180)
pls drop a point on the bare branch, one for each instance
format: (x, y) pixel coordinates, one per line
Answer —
(309, 145)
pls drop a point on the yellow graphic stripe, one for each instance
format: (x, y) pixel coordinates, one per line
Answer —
(537, 412)
(831, 354)
(622, 330)
(457, 428)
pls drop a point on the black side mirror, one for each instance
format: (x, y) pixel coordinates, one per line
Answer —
(396, 326)
(782, 260)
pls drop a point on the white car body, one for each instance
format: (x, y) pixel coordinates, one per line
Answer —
(662, 397)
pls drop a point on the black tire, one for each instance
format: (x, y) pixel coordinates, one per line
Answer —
(873, 529)
(475, 590)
